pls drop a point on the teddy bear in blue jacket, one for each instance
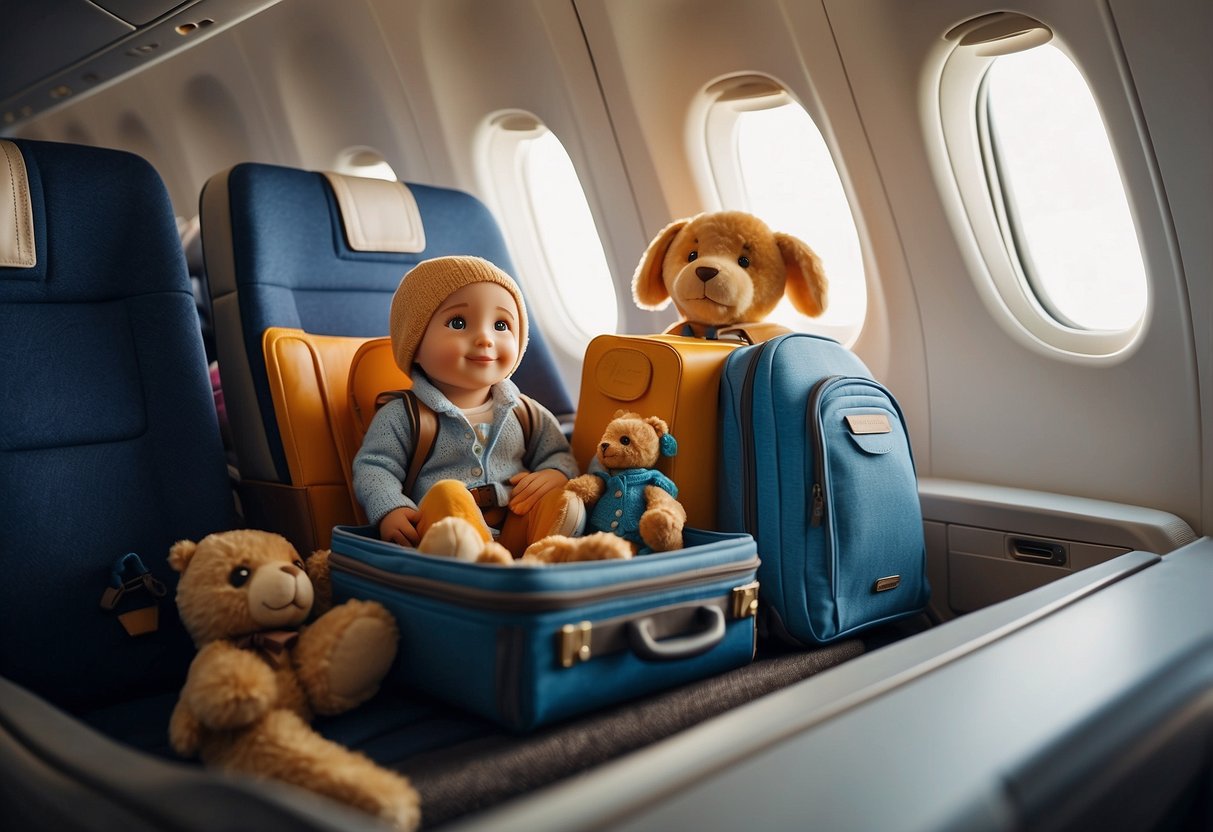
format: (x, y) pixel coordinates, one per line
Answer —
(624, 493)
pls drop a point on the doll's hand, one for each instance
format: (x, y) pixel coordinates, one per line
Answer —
(398, 526)
(530, 488)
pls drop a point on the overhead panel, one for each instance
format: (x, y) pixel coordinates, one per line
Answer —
(139, 12)
(39, 39)
(55, 51)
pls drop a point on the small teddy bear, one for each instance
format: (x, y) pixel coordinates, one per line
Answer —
(628, 496)
(725, 272)
(259, 676)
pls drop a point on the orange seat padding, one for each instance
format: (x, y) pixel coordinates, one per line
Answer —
(322, 410)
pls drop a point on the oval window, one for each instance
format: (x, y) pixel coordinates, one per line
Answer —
(769, 158)
(547, 218)
(1063, 206)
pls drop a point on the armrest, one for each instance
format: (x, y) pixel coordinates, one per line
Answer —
(57, 773)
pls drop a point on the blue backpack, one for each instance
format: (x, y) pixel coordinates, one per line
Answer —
(827, 488)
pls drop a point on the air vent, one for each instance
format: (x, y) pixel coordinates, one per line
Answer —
(186, 29)
(143, 51)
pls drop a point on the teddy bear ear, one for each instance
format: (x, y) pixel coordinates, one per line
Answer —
(658, 424)
(648, 284)
(807, 284)
(181, 552)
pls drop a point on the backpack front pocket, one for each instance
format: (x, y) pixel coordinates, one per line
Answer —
(873, 520)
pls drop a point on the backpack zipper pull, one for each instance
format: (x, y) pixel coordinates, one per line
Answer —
(818, 505)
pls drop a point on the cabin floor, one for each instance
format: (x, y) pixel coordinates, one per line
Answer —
(462, 764)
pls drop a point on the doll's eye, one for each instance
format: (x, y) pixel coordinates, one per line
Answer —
(743, 261)
(239, 576)
(623, 440)
(501, 326)
(694, 255)
(298, 564)
(457, 322)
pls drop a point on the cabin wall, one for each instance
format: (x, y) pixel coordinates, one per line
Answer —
(1127, 430)
(1170, 64)
(621, 83)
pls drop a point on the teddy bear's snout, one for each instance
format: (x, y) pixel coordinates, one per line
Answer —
(706, 273)
(280, 597)
(605, 445)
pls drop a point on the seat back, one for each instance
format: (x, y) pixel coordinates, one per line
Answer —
(109, 442)
(323, 254)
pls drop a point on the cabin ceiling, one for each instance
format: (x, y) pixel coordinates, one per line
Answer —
(54, 51)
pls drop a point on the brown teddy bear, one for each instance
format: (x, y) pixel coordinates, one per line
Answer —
(629, 497)
(259, 676)
(725, 272)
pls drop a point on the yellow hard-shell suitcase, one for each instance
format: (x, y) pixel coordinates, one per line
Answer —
(669, 376)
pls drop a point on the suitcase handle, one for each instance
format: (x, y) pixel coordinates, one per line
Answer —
(646, 646)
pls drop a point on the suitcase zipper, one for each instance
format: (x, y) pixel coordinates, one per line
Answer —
(749, 475)
(497, 601)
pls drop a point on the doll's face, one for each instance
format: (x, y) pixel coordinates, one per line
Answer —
(470, 343)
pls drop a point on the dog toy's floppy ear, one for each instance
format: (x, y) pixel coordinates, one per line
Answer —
(648, 286)
(807, 284)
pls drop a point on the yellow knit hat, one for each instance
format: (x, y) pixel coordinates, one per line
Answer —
(427, 285)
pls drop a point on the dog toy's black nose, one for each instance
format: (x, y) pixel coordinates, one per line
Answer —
(706, 273)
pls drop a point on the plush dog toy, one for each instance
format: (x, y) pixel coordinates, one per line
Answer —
(629, 497)
(259, 676)
(725, 272)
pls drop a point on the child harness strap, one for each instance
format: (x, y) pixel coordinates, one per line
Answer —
(423, 424)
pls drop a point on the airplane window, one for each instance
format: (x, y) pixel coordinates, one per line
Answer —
(364, 161)
(786, 176)
(547, 218)
(1064, 213)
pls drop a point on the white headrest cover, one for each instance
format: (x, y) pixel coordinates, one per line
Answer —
(378, 215)
(16, 214)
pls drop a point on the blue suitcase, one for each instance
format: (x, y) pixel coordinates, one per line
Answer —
(529, 645)
(824, 480)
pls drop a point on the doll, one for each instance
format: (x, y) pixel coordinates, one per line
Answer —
(459, 329)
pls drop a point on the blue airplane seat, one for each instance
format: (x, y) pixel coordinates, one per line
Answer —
(109, 442)
(322, 253)
(109, 445)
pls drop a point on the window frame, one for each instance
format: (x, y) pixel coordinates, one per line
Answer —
(722, 104)
(989, 238)
(500, 163)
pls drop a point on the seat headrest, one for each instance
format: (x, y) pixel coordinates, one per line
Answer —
(378, 215)
(17, 249)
